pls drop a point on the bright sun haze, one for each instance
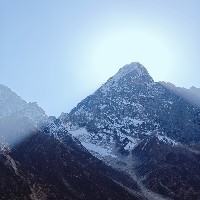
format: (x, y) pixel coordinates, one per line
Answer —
(58, 52)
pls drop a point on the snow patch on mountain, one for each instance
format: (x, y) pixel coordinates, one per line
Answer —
(82, 134)
(98, 151)
(167, 140)
(85, 138)
(132, 142)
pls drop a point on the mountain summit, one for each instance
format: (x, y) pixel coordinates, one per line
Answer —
(134, 70)
(130, 74)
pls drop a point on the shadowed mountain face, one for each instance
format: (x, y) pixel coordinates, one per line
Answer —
(42, 167)
(172, 171)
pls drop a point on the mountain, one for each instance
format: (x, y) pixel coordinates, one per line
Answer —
(131, 112)
(39, 159)
(129, 107)
(13, 105)
(133, 138)
(17, 117)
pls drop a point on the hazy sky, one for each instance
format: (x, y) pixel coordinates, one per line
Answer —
(57, 52)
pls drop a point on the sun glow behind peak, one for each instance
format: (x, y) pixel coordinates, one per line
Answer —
(112, 50)
(74, 47)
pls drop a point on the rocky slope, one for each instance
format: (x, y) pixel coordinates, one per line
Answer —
(11, 105)
(17, 117)
(41, 167)
(39, 159)
(131, 106)
(170, 170)
(143, 128)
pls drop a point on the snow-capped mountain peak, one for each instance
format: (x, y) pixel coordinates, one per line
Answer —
(130, 74)
(129, 107)
(135, 68)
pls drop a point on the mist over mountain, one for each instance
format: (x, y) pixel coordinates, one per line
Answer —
(192, 94)
(17, 117)
(133, 138)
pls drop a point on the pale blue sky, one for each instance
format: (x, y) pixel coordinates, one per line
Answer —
(57, 52)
